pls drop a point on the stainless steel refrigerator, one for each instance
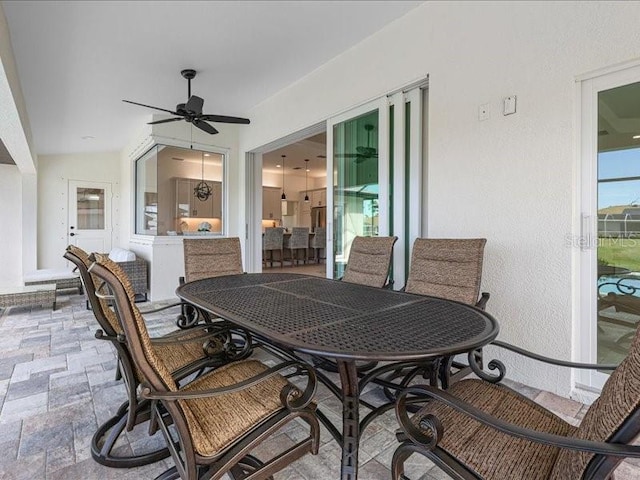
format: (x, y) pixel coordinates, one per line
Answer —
(318, 217)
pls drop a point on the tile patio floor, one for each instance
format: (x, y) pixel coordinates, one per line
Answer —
(57, 382)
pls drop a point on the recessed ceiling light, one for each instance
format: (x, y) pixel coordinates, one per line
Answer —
(308, 170)
(207, 154)
(279, 166)
(636, 137)
(87, 137)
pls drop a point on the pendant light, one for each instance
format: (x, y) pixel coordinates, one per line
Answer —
(306, 181)
(202, 190)
(284, 197)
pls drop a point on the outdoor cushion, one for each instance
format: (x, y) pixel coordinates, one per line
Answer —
(121, 255)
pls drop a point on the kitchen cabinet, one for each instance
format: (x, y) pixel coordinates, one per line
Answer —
(287, 207)
(319, 198)
(188, 205)
(271, 203)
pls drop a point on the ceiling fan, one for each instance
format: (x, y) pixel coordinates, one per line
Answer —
(363, 153)
(192, 110)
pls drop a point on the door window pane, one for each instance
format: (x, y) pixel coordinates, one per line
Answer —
(355, 186)
(90, 208)
(618, 272)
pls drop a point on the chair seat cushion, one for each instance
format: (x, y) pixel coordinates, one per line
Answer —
(47, 274)
(215, 422)
(484, 450)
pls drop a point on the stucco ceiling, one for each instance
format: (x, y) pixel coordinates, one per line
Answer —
(77, 60)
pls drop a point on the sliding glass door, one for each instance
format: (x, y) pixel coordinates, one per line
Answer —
(356, 186)
(374, 178)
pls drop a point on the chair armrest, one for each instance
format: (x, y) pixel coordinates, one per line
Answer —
(502, 370)
(432, 430)
(161, 309)
(289, 396)
(552, 361)
(484, 298)
(195, 333)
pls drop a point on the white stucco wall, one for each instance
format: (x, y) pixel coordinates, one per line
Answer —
(11, 218)
(509, 178)
(15, 133)
(54, 173)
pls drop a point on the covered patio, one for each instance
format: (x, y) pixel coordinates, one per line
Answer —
(58, 383)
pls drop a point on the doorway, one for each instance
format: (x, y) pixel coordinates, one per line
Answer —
(89, 219)
(270, 176)
(294, 186)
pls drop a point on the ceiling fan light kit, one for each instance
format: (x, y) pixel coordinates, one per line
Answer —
(191, 111)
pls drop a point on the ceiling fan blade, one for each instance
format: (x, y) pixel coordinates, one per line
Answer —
(204, 126)
(194, 104)
(150, 106)
(224, 119)
(166, 120)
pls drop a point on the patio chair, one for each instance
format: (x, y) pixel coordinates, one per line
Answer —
(480, 430)
(272, 241)
(206, 258)
(184, 353)
(369, 261)
(213, 423)
(211, 257)
(298, 240)
(449, 268)
(620, 307)
(318, 242)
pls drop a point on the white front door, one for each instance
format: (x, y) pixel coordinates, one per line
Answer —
(89, 223)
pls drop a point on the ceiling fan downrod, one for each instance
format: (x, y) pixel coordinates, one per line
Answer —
(189, 74)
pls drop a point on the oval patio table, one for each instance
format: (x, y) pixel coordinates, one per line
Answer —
(345, 322)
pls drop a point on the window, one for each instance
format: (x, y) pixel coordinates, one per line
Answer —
(179, 192)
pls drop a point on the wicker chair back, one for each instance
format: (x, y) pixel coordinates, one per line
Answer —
(369, 261)
(446, 267)
(211, 257)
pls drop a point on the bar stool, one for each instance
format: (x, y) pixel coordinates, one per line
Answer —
(298, 240)
(318, 242)
(272, 240)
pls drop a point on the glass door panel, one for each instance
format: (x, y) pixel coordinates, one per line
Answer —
(355, 184)
(618, 246)
(90, 215)
(90, 208)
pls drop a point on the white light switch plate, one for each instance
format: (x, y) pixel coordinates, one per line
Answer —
(509, 105)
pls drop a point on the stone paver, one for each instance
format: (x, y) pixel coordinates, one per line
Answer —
(57, 383)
